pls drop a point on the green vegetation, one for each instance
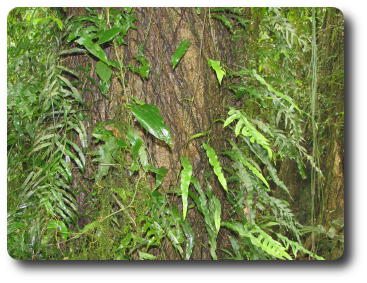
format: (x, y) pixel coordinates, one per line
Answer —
(82, 179)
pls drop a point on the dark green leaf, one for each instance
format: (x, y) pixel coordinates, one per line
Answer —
(180, 52)
(151, 120)
(107, 35)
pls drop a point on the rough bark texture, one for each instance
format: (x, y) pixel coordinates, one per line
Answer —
(188, 97)
(332, 44)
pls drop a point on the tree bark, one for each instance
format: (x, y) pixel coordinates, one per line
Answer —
(188, 97)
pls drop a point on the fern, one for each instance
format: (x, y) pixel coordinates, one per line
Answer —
(210, 207)
(214, 162)
(186, 174)
(247, 129)
(260, 239)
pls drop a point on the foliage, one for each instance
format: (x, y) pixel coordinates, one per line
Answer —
(219, 71)
(81, 189)
(151, 120)
(46, 143)
(186, 174)
(180, 52)
(214, 162)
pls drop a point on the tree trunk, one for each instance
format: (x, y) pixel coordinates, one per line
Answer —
(332, 198)
(188, 97)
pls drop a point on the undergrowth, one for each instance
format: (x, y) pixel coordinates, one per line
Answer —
(126, 216)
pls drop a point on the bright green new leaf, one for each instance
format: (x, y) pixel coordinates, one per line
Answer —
(214, 162)
(103, 72)
(180, 52)
(186, 174)
(220, 72)
(151, 120)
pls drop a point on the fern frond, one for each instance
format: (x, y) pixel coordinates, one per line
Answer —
(247, 129)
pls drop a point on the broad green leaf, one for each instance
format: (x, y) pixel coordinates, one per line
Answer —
(103, 71)
(151, 120)
(219, 71)
(146, 256)
(186, 174)
(180, 52)
(107, 35)
(214, 162)
(230, 119)
(93, 48)
(106, 151)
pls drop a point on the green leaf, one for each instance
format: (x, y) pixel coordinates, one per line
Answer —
(198, 135)
(242, 158)
(104, 87)
(190, 238)
(73, 51)
(143, 68)
(151, 120)
(89, 227)
(146, 256)
(216, 206)
(214, 162)
(186, 174)
(160, 173)
(103, 72)
(180, 52)
(262, 81)
(220, 72)
(93, 48)
(107, 35)
(60, 227)
(137, 150)
(74, 90)
(67, 70)
(227, 23)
